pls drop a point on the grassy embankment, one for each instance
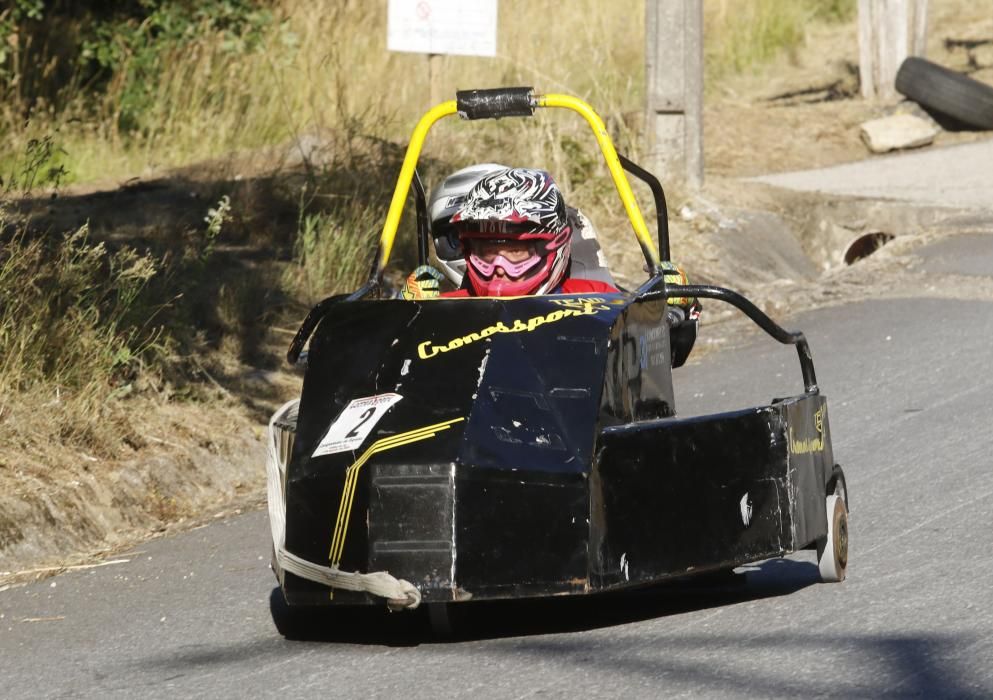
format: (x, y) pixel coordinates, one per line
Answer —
(93, 334)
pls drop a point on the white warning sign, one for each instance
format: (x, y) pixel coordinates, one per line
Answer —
(460, 27)
(355, 423)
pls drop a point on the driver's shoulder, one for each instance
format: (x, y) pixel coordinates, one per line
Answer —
(576, 286)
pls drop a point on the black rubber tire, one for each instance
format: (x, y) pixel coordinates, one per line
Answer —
(838, 486)
(832, 552)
(937, 88)
(297, 623)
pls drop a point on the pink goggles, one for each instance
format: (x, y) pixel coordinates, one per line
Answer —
(512, 269)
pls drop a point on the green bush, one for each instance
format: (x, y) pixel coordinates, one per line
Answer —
(54, 52)
(129, 53)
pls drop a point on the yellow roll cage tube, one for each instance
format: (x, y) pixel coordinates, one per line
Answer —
(446, 109)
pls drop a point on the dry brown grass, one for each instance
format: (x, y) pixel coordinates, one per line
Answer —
(325, 65)
(68, 339)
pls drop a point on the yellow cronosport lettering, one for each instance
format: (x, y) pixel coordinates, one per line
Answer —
(427, 349)
(352, 477)
(810, 444)
(802, 447)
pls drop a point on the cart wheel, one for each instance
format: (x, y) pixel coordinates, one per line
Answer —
(839, 486)
(832, 553)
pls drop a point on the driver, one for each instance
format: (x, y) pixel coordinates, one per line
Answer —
(515, 233)
(516, 237)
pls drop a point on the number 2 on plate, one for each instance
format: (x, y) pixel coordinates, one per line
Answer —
(369, 412)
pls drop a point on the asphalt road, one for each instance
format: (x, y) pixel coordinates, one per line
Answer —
(908, 382)
(909, 385)
(956, 176)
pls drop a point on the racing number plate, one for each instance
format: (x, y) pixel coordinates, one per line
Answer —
(355, 423)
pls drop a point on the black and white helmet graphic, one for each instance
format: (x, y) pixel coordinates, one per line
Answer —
(516, 204)
(522, 200)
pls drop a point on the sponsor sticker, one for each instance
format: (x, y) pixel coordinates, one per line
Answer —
(355, 423)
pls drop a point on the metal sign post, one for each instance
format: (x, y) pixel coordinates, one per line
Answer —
(434, 76)
(674, 94)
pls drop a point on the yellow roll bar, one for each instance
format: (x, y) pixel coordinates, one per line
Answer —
(613, 165)
(449, 108)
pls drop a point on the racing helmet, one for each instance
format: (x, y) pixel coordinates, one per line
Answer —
(515, 205)
(445, 251)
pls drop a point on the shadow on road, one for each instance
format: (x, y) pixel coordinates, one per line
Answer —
(642, 650)
(516, 618)
(795, 664)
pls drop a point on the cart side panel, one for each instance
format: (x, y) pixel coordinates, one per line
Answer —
(677, 497)
(637, 384)
(680, 496)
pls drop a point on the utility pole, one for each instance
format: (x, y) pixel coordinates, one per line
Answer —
(674, 90)
(889, 31)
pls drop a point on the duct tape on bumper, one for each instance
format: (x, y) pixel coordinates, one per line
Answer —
(399, 594)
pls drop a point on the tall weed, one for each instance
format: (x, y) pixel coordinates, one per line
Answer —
(741, 34)
(74, 332)
(40, 164)
(332, 253)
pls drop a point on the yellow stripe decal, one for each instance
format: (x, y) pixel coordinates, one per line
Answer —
(352, 477)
